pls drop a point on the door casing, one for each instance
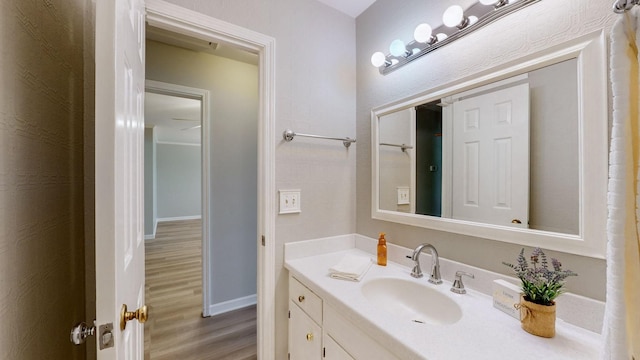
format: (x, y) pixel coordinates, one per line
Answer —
(203, 95)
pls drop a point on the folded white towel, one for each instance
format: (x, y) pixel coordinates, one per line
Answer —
(350, 267)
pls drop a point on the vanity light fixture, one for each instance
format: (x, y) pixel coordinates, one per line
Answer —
(454, 17)
(397, 48)
(456, 23)
(495, 3)
(378, 59)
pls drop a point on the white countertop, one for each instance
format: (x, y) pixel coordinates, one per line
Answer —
(482, 333)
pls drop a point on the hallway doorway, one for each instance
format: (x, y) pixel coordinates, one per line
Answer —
(229, 212)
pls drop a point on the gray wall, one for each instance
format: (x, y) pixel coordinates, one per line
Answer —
(178, 180)
(233, 161)
(315, 93)
(395, 165)
(554, 197)
(150, 184)
(527, 31)
(42, 156)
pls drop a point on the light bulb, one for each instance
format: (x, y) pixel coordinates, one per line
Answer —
(397, 48)
(441, 36)
(453, 16)
(488, 2)
(472, 20)
(423, 33)
(378, 59)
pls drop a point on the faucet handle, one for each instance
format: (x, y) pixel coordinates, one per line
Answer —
(458, 286)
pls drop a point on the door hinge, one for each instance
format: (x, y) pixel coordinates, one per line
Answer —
(324, 352)
(262, 240)
(289, 314)
(289, 356)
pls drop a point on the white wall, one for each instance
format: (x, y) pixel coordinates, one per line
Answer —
(529, 30)
(179, 175)
(315, 93)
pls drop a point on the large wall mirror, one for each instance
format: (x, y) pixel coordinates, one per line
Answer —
(516, 154)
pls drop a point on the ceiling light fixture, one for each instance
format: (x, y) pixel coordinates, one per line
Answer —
(456, 23)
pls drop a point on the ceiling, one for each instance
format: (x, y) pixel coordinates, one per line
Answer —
(352, 8)
(174, 119)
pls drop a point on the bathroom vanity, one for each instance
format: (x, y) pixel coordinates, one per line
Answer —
(390, 315)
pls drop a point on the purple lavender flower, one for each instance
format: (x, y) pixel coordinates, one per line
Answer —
(540, 284)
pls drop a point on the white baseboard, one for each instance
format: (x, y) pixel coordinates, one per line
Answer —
(177, 218)
(234, 304)
(152, 236)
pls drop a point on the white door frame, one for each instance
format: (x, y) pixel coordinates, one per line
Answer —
(204, 96)
(184, 21)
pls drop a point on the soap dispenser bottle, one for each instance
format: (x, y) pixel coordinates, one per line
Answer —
(382, 250)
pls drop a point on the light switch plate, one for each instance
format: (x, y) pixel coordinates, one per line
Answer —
(403, 195)
(289, 201)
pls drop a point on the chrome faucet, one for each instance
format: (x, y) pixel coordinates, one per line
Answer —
(434, 278)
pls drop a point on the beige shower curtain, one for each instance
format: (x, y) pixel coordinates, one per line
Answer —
(621, 329)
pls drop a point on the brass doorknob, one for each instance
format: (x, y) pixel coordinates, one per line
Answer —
(301, 298)
(309, 337)
(516, 221)
(141, 315)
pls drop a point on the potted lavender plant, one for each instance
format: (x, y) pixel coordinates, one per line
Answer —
(540, 287)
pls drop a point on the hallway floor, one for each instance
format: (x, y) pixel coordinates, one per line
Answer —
(176, 329)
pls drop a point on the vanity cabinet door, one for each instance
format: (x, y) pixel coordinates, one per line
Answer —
(333, 351)
(305, 336)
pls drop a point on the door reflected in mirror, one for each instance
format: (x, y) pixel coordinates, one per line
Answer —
(505, 153)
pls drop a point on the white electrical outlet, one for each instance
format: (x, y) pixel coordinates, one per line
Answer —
(289, 201)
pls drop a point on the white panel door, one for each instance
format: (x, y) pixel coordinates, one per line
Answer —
(119, 131)
(491, 157)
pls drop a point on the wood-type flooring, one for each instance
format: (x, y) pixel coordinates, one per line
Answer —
(176, 328)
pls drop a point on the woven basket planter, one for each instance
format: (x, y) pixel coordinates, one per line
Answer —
(538, 319)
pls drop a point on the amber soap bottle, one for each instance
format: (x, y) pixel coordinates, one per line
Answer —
(382, 250)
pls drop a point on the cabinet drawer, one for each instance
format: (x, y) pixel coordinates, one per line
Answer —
(309, 302)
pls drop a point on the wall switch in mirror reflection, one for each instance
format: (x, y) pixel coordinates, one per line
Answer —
(289, 201)
(403, 195)
(505, 296)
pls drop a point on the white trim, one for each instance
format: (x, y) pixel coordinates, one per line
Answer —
(178, 19)
(590, 51)
(152, 236)
(205, 100)
(179, 218)
(233, 304)
(177, 143)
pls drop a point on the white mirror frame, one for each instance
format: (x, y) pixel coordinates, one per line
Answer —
(593, 127)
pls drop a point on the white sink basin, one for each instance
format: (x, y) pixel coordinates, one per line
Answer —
(411, 301)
